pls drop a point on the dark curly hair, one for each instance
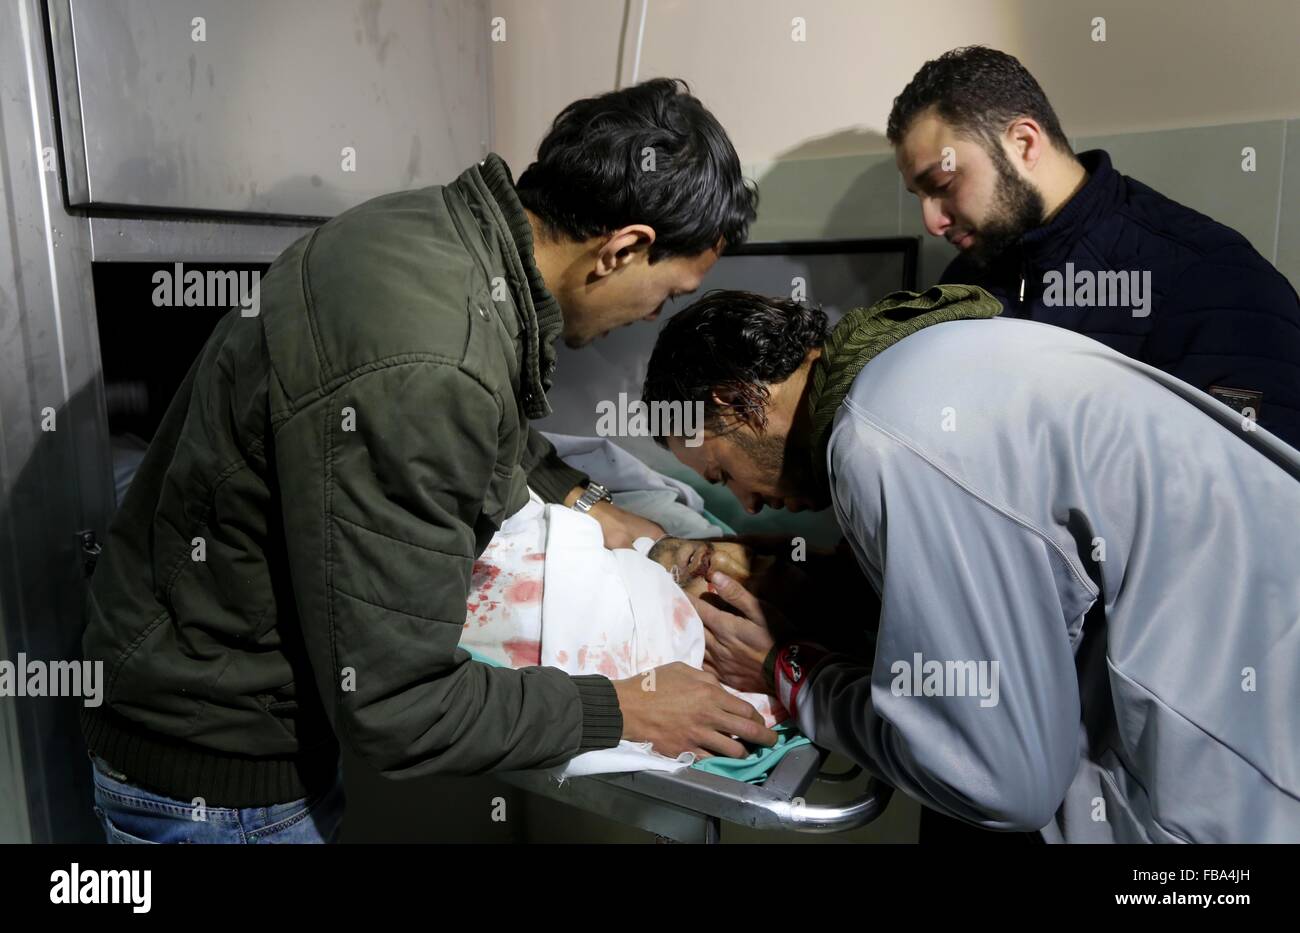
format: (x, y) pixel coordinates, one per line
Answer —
(588, 178)
(731, 342)
(979, 91)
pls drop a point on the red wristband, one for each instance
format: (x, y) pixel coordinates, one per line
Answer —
(794, 667)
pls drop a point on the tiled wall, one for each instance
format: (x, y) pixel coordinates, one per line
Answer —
(859, 196)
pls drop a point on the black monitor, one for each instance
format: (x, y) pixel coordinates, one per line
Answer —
(838, 275)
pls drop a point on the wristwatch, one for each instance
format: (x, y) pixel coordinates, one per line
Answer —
(593, 494)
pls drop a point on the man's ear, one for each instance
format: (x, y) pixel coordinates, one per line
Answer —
(1027, 141)
(725, 398)
(623, 247)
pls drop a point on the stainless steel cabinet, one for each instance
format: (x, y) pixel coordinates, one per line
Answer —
(286, 107)
(153, 145)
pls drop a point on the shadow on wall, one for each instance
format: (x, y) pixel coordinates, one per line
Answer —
(839, 186)
(831, 187)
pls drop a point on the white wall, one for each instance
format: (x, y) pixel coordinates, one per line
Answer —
(1164, 64)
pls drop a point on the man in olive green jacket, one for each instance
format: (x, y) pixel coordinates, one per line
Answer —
(290, 566)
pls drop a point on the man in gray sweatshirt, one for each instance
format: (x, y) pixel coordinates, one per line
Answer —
(1088, 571)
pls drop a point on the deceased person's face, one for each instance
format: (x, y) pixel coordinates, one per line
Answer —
(691, 561)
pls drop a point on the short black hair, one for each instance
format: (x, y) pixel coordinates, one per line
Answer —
(589, 180)
(731, 342)
(978, 91)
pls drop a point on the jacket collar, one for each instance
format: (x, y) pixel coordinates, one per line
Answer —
(1099, 196)
(864, 333)
(541, 321)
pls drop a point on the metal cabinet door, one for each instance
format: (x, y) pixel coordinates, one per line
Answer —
(285, 107)
(55, 479)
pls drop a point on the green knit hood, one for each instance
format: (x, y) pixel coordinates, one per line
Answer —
(863, 333)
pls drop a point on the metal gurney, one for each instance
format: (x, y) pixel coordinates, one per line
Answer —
(691, 805)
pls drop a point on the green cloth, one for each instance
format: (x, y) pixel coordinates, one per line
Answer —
(864, 333)
(754, 768)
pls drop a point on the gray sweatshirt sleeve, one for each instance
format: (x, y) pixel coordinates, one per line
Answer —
(972, 703)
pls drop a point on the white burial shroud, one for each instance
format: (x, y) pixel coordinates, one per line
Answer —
(547, 591)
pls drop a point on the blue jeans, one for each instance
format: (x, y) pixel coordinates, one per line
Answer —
(133, 815)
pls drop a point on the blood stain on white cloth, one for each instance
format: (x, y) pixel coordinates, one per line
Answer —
(523, 652)
(525, 591)
(482, 581)
(603, 659)
(682, 612)
(490, 587)
(483, 574)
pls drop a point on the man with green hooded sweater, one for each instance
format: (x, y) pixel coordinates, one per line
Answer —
(1078, 570)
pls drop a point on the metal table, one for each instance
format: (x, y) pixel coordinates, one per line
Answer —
(690, 805)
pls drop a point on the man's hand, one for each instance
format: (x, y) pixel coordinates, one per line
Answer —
(735, 647)
(679, 709)
(620, 527)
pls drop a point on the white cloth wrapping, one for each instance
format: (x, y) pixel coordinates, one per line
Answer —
(547, 591)
(614, 613)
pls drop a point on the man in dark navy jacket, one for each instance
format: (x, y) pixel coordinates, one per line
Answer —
(1069, 241)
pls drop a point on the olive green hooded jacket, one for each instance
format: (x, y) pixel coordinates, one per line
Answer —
(289, 568)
